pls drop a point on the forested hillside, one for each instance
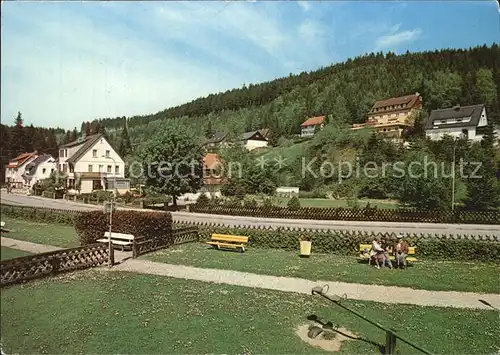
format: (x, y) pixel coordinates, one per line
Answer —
(345, 90)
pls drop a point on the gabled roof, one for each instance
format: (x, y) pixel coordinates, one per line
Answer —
(457, 112)
(265, 132)
(409, 100)
(88, 143)
(216, 138)
(39, 160)
(254, 134)
(313, 121)
(211, 161)
(21, 159)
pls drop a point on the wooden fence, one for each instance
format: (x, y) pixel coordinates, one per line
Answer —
(35, 266)
(143, 245)
(355, 214)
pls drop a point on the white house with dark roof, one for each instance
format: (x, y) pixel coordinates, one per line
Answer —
(457, 121)
(253, 140)
(91, 163)
(39, 169)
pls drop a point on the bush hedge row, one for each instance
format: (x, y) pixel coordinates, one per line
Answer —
(91, 226)
(368, 213)
(442, 247)
(35, 214)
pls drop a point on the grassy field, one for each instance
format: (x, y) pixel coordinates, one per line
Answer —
(456, 276)
(8, 253)
(101, 312)
(43, 233)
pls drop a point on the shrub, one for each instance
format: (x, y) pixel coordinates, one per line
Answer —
(203, 200)
(250, 203)
(34, 214)
(102, 195)
(267, 203)
(91, 226)
(293, 203)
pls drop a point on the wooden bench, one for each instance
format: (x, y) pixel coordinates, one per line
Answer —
(228, 241)
(121, 239)
(364, 253)
(3, 227)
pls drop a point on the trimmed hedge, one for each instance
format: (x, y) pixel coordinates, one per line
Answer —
(442, 247)
(34, 214)
(91, 226)
(235, 208)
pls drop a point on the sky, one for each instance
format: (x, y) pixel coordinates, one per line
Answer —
(67, 62)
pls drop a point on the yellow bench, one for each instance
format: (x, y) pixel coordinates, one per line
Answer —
(364, 253)
(228, 241)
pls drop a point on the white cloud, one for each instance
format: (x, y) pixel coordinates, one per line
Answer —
(395, 39)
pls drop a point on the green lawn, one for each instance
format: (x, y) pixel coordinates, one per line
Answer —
(456, 276)
(100, 312)
(8, 253)
(43, 233)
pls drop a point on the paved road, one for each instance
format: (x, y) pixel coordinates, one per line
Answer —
(431, 228)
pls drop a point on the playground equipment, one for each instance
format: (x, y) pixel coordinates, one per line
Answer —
(390, 334)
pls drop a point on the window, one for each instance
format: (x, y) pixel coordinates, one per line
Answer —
(61, 153)
(107, 153)
(65, 168)
(44, 170)
(101, 168)
(65, 153)
(94, 153)
(90, 168)
(109, 168)
(117, 169)
(52, 170)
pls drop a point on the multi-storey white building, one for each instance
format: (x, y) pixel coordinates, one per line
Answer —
(16, 169)
(91, 163)
(39, 169)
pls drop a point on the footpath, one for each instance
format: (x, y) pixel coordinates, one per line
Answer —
(384, 294)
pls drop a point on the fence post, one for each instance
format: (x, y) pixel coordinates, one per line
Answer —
(390, 343)
(134, 249)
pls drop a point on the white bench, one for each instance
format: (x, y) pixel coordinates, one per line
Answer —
(124, 240)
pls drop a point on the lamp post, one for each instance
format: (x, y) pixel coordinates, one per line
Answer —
(110, 259)
(453, 177)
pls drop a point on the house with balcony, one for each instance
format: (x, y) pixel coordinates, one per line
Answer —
(394, 116)
(39, 169)
(458, 121)
(15, 170)
(90, 163)
(312, 125)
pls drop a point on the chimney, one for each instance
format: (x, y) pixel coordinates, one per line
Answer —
(456, 107)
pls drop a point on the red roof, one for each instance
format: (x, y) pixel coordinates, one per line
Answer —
(313, 121)
(211, 161)
(20, 159)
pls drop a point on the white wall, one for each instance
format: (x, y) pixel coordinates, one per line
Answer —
(483, 121)
(253, 144)
(43, 171)
(16, 174)
(66, 154)
(439, 133)
(82, 165)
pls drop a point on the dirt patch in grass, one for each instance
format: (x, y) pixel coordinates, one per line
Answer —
(328, 340)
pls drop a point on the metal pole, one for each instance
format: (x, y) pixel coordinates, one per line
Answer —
(390, 334)
(453, 178)
(112, 204)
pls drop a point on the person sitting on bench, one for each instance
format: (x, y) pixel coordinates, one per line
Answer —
(401, 252)
(377, 252)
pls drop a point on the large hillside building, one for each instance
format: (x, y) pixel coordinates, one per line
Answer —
(393, 116)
